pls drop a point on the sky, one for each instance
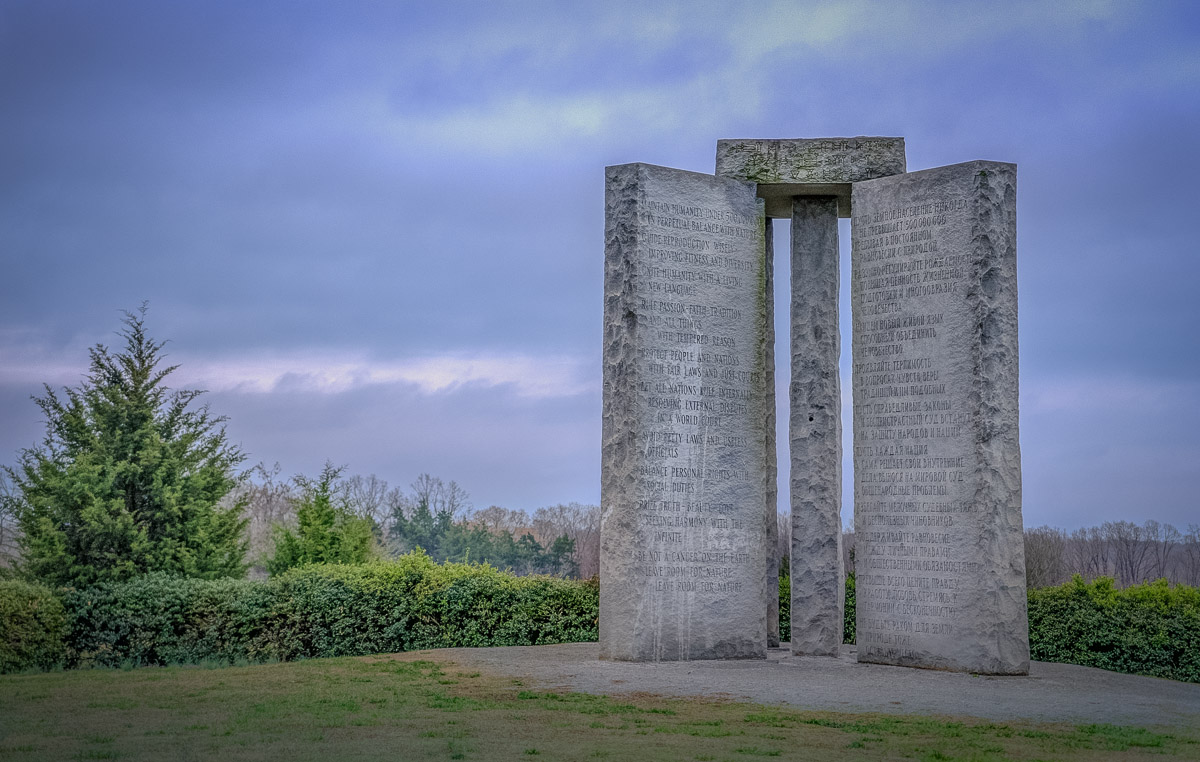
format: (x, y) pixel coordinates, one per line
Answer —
(373, 231)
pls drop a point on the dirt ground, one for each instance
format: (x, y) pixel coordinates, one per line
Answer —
(1051, 692)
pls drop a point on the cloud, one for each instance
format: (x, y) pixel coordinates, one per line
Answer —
(671, 70)
(533, 122)
(503, 448)
(323, 372)
(528, 375)
(1106, 394)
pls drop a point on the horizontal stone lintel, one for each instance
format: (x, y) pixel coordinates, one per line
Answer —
(786, 168)
(778, 197)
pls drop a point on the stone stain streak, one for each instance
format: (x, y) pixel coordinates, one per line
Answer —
(683, 556)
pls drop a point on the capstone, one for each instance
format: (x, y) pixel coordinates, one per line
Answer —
(784, 169)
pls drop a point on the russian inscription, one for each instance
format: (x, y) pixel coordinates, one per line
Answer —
(682, 540)
(936, 453)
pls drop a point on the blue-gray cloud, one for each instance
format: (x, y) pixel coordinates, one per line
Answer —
(389, 182)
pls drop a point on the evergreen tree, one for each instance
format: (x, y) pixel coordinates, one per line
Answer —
(327, 531)
(560, 557)
(530, 555)
(128, 477)
(423, 528)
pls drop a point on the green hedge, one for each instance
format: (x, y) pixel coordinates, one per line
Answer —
(1151, 629)
(315, 611)
(414, 603)
(785, 610)
(32, 625)
(848, 614)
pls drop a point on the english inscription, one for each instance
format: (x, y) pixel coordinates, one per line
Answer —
(682, 487)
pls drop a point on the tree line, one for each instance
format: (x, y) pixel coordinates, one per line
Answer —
(1127, 552)
(364, 516)
(132, 477)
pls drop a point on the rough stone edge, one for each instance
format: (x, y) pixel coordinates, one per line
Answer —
(993, 299)
(622, 189)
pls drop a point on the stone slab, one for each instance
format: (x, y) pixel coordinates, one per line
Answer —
(786, 168)
(815, 430)
(683, 542)
(937, 460)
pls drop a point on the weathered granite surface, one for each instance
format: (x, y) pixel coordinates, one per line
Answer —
(787, 168)
(683, 542)
(771, 514)
(937, 460)
(816, 430)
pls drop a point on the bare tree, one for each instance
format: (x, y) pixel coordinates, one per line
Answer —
(267, 501)
(579, 522)
(587, 546)
(367, 497)
(847, 550)
(10, 533)
(1190, 556)
(441, 496)
(1163, 540)
(783, 546)
(495, 519)
(1045, 556)
(1130, 549)
(1090, 553)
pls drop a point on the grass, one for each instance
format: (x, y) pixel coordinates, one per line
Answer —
(421, 707)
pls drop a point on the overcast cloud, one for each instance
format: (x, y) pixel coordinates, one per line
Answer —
(373, 231)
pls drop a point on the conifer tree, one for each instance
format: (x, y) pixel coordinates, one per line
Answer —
(327, 531)
(128, 477)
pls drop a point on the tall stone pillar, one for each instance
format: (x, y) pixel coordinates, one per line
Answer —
(683, 546)
(937, 454)
(787, 172)
(816, 430)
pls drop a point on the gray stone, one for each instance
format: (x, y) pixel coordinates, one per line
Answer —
(771, 514)
(816, 430)
(683, 543)
(787, 168)
(937, 460)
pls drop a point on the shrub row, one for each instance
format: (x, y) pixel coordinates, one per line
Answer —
(1150, 629)
(414, 603)
(315, 611)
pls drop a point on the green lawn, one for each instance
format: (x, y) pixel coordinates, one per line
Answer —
(421, 707)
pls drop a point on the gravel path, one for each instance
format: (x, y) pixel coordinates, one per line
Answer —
(1051, 692)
